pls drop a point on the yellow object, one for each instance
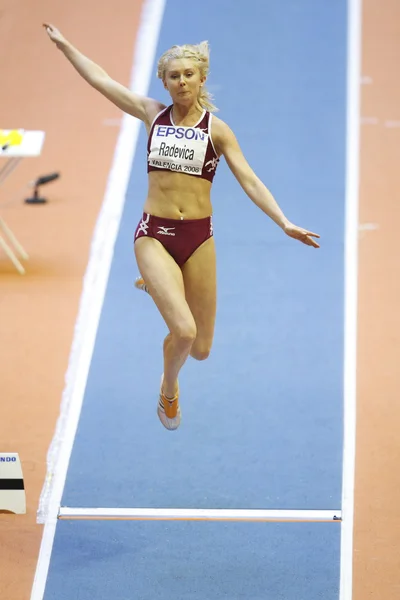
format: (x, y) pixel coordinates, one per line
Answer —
(11, 137)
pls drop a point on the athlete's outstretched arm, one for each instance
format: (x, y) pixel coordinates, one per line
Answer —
(254, 187)
(138, 106)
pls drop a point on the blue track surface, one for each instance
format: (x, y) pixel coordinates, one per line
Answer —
(192, 561)
(262, 417)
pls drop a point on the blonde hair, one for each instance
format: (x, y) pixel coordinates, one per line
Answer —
(200, 54)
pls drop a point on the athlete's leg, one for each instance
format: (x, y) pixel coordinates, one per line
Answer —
(165, 283)
(199, 276)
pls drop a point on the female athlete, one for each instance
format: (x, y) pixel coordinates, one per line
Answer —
(173, 242)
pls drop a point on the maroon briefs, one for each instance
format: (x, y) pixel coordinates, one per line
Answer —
(180, 237)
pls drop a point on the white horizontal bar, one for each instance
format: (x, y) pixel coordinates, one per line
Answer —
(189, 514)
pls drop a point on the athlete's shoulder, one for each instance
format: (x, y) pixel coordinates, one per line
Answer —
(222, 134)
(220, 126)
(153, 109)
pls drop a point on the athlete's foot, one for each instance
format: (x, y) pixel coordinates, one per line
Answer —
(168, 409)
(140, 284)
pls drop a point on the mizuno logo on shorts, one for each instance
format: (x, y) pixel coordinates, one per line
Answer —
(165, 230)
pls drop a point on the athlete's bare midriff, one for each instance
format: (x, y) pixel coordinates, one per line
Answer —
(177, 195)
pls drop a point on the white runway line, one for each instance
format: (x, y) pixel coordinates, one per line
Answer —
(95, 283)
(354, 41)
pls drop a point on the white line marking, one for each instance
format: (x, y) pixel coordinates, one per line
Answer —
(366, 80)
(112, 122)
(369, 120)
(392, 124)
(94, 287)
(351, 269)
(208, 514)
(368, 227)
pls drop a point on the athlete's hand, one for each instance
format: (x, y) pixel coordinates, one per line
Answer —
(55, 35)
(298, 233)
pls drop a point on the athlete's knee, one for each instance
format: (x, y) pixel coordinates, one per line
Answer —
(184, 334)
(200, 352)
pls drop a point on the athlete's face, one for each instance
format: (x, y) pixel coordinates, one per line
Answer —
(183, 80)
